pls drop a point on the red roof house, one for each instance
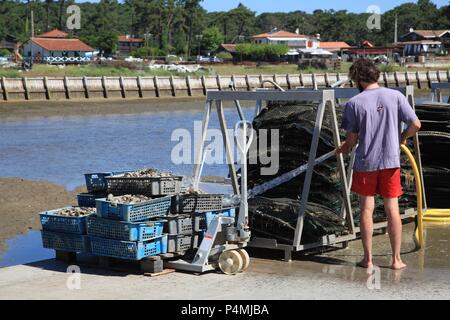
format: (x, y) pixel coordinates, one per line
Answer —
(56, 47)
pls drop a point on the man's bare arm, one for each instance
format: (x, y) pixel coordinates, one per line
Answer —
(350, 142)
(413, 128)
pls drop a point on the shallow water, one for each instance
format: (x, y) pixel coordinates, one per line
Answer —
(25, 249)
(60, 150)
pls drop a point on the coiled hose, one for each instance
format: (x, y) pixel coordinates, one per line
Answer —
(436, 215)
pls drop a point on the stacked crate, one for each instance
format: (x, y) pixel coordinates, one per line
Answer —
(64, 233)
(129, 231)
(190, 218)
(172, 221)
(96, 186)
(132, 231)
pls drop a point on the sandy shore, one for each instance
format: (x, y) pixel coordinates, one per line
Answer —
(33, 109)
(22, 200)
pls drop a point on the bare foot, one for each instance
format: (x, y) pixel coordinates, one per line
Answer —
(365, 264)
(398, 265)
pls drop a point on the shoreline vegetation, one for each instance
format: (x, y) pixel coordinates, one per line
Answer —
(92, 70)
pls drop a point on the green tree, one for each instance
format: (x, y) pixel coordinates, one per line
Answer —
(212, 38)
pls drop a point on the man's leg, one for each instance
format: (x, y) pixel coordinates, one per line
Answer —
(367, 204)
(395, 231)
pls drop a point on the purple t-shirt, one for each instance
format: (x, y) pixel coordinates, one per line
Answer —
(376, 115)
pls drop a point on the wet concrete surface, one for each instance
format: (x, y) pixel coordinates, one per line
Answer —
(327, 275)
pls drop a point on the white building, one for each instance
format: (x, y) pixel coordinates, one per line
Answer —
(56, 47)
(292, 40)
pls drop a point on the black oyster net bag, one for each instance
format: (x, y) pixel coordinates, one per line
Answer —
(274, 214)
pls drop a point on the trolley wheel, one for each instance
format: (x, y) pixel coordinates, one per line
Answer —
(231, 262)
(245, 259)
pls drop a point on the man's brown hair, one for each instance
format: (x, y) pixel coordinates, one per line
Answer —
(364, 70)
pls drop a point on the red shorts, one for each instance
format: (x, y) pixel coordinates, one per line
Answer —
(386, 183)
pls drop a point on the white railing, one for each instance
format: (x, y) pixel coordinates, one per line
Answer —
(61, 60)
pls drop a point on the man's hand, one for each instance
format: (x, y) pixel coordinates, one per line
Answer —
(413, 128)
(350, 142)
(403, 139)
(343, 148)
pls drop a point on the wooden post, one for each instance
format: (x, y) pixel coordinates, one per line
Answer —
(25, 87)
(139, 85)
(397, 84)
(122, 87)
(385, 79)
(288, 81)
(47, 90)
(428, 78)
(419, 84)
(86, 89)
(188, 83)
(105, 89)
(314, 83)
(219, 85)
(172, 86)
(448, 75)
(438, 74)
(234, 82)
(301, 80)
(407, 78)
(4, 89)
(155, 81)
(204, 85)
(260, 80)
(66, 87)
(327, 83)
(247, 82)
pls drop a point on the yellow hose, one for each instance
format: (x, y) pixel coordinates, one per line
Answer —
(437, 215)
(418, 235)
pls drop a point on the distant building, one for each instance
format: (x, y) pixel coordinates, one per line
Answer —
(292, 40)
(55, 47)
(128, 44)
(368, 49)
(9, 43)
(422, 42)
(334, 46)
(227, 47)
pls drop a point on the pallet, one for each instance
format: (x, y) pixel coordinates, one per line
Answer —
(151, 267)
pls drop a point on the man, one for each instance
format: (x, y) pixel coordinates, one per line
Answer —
(374, 120)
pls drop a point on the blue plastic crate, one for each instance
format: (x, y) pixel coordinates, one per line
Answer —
(126, 231)
(66, 242)
(158, 207)
(129, 250)
(51, 221)
(204, 219)
(87, 200)
(97, 181)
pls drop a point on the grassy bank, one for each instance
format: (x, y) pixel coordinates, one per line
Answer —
(40, 70)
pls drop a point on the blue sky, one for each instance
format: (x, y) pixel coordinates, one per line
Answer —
(291, 5)
(309, 6)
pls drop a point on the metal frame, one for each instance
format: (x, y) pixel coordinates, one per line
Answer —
(436, 91)
(327, 100)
